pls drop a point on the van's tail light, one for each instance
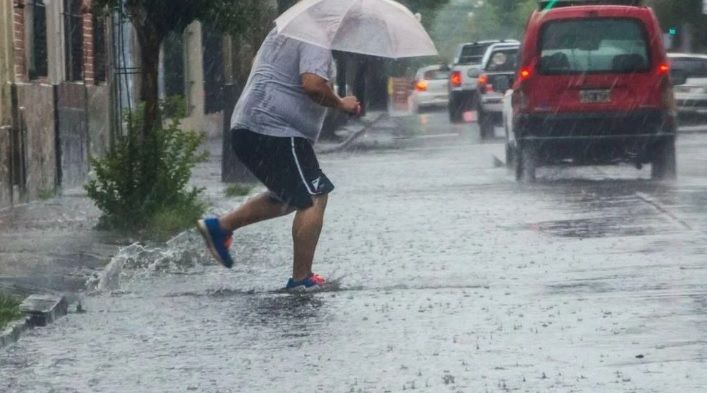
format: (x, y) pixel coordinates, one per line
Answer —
(455, 78)
(525, 73)
(664, 69)
(421, 85)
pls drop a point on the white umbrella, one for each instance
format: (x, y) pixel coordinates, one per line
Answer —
(372, 27)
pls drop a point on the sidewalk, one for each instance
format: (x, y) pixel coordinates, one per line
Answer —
(52, 246)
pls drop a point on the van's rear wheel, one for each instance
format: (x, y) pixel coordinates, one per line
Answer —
(526, 162)
(510, 157)
(664, 165)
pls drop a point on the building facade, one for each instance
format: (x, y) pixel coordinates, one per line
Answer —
(7, 70)
(55, 98)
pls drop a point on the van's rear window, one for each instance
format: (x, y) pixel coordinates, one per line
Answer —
(599, 45)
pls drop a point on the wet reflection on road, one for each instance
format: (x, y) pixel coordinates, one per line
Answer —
(452, 277)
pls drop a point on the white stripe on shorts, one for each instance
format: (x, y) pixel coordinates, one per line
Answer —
(299, 168)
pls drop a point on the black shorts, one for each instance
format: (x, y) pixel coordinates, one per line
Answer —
(288, 167)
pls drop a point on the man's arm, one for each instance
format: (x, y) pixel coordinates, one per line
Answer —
(318, 89)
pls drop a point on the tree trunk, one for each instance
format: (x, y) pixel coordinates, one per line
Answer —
(150, 42)
(283, 5)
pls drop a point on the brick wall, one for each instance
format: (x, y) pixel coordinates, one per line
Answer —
(88, 73)
(21, 71)
(19, 41)
(77, 127)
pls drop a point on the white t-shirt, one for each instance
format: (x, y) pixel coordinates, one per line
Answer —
(273, 101)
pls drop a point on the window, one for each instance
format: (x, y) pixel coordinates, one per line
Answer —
(436, 75)
(36, 39)
(173, 60)
(594, 46)
(73, 28)
(212, 42)
(473, 54)
(99, 49)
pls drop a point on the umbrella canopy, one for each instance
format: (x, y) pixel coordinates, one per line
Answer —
(372, 27)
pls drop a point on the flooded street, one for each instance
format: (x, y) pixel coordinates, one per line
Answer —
(448, 276)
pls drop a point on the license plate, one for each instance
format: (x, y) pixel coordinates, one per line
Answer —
(594, 96)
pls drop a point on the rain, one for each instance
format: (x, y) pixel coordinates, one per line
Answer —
(518, 204)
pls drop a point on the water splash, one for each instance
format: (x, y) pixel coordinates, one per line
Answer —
(182, 254)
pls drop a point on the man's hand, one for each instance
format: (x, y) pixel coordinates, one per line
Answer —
(318, 89)
(351, 105)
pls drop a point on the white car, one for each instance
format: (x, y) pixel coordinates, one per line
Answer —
(689, 74)
(430, 88)
(496, 76)
(463, 78)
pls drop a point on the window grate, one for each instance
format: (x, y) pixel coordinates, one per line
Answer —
(73, 29)
(37, 57)
(99, 49)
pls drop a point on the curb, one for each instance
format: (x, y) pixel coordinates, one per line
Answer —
(13, 331)
(39, 310)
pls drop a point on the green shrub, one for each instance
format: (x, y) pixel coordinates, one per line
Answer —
(238, 189)
(9, 310)
(47, 194)
(143, 181)
(174, 107)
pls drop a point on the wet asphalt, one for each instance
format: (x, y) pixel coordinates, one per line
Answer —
(447, 276)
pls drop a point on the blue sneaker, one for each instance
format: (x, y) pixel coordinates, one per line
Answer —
(217, 240)
(311, 282)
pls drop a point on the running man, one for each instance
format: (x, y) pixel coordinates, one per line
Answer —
(275, 123)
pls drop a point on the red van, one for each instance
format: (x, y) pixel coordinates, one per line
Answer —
(593, 87)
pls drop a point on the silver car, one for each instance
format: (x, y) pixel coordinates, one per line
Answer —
(430, 88)
(689, 75)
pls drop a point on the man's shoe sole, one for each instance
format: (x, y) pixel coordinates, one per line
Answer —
(201, 226)
(303, 289)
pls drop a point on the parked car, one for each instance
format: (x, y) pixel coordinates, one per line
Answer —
(689, 75)
(593, 87)
(495, 78)
(463, 79)
(430, 88)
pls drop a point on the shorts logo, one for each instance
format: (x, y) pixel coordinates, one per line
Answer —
(315, 183)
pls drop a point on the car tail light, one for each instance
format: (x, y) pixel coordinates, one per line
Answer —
(484, 85)
(483, 79)
(664, 69)
(456, 78)
(421, 85)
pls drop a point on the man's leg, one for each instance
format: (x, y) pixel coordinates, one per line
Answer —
(260, 208)
(305, 234)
